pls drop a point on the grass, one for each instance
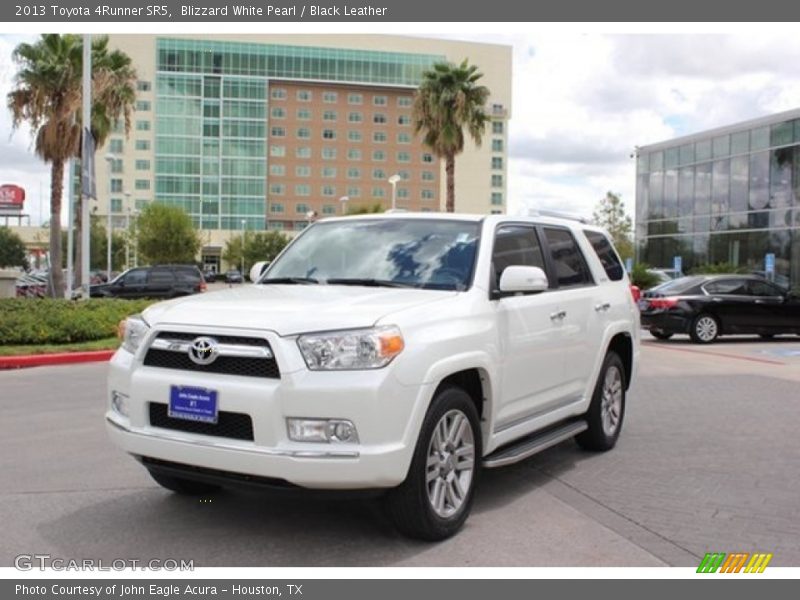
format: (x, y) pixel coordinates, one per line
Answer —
(111, 343)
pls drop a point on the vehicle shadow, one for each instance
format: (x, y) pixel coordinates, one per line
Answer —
(728, 340)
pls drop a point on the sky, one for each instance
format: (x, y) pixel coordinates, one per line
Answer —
(581, 104)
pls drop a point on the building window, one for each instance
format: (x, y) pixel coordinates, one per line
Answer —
(355, 117)
(497, 127)
(403, 157)
(497, 145)
(354, 136)
(115, 146)
(277, 189)
(303, 133)
(403, 138)
(302, 171)
(329, 115)
(277, 151)
(301, 208)
(142, 145)
(497, 162)
(379, 137)
(378, 174)
(276, 225)
(304, 95)
(278, 93)
(378, 192)
(379, 118)
(303, 152)
(354, 192)
(143, 105)
(277, 170)
(116, 205)
(303, 114)
(328, 172)
(355, 98)
(428, 176)
(142, 184)
(329, 209)
(142, 165)
(275, 207)
(497, 181)
(143, 86)
(404, 120)
(354, 154)
(378, 155)
(142, 125)
(427, 194)
(329, 154)
(404, 175)
(402, 192)
(119, 126)
(278, 112)
(380, 100)
(497, 198)
(354, 173)
(328, 134)
(329, 97)
(116, 186)
(328, 190)
(427, 157)
(278, 132)
(302, 189)
(405, 101)
(300, 225)
(116, 165)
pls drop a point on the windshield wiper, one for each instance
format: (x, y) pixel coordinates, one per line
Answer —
(299, 280)
(368, 282)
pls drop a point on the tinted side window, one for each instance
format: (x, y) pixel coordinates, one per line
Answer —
(762, 288)
(569, 263)
(161, 276)
(188, 274)
(735, 287)
(136, 277)
(605, 252)
(515, 245)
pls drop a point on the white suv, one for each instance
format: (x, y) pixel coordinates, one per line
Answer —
(401, 352)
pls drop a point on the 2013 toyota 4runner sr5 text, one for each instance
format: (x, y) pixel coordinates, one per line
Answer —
(398, 352)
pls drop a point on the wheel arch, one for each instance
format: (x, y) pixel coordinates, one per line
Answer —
(622, 345)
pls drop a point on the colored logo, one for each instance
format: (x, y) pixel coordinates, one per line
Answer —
(738, 562)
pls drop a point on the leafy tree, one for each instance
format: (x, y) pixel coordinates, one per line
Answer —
(12, 249)
(366, 209)
(448, 102)
(258, 246)
(165, 234)
(98, 244)
(610, 213)
(642, 277)
(47, 95)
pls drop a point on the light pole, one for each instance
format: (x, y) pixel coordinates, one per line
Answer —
(244, 224)
(393, 180)
(344, 200)
(128, 230)
(135, 214)
(110, 158)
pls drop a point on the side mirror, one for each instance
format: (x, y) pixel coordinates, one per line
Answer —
(523, 279)
(257, 270)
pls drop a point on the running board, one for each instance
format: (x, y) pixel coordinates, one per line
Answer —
(532, 444)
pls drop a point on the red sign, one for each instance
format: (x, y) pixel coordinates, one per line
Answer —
(12, 196)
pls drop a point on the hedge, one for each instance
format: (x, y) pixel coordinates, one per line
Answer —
(50, 321)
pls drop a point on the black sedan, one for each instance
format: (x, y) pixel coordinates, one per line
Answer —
(708, 306)
(233, 276)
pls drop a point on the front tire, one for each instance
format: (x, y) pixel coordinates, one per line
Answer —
(607, 409)
(185, 487)
(705, 329)
(435, 499)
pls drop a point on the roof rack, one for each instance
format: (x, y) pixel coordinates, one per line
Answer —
(558, 214)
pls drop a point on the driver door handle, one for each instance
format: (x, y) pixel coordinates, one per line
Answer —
(602, 307)
(557, 316)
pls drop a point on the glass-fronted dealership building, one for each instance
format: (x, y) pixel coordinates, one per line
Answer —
(728, 195)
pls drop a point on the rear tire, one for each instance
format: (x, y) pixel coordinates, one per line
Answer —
(660, 335)
(185, 487)
(705, 329)
(435, 499)
(607, 410)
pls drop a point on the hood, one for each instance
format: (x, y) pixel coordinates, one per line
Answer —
(290, 309)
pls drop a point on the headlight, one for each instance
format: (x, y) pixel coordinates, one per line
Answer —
(132, 331)
(354, 349)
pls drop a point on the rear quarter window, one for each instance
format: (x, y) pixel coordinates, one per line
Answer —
(568, 261)
(606, 253)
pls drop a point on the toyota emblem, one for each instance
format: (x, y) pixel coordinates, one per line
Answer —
(203, 350)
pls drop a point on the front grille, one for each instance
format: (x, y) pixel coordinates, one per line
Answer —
(237, 426)
(225, 365)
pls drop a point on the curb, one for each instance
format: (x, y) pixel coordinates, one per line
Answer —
(61, 358)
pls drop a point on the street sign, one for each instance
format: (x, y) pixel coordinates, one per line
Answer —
(629, 264)
(769, 263)
(677, 264)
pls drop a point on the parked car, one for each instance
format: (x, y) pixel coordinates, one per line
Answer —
(393, 352)
(210, 275)
(162, 281)
(708, 306)
(233, 276)
(665, 275)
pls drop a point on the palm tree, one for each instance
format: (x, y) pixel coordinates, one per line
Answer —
(448, 102)
(48, 96)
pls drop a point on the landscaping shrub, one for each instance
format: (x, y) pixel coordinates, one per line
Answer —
(51, 321)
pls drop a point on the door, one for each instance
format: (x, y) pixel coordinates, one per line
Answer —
(730, 300)
(528, 333)
(773, 311)
(161, 283)
(130, 285)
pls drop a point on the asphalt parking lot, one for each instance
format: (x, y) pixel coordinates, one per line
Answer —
(708, 461)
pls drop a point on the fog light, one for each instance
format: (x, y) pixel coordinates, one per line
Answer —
(322, 430)
(119, 403)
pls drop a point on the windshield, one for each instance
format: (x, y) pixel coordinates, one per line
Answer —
(432, 254)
